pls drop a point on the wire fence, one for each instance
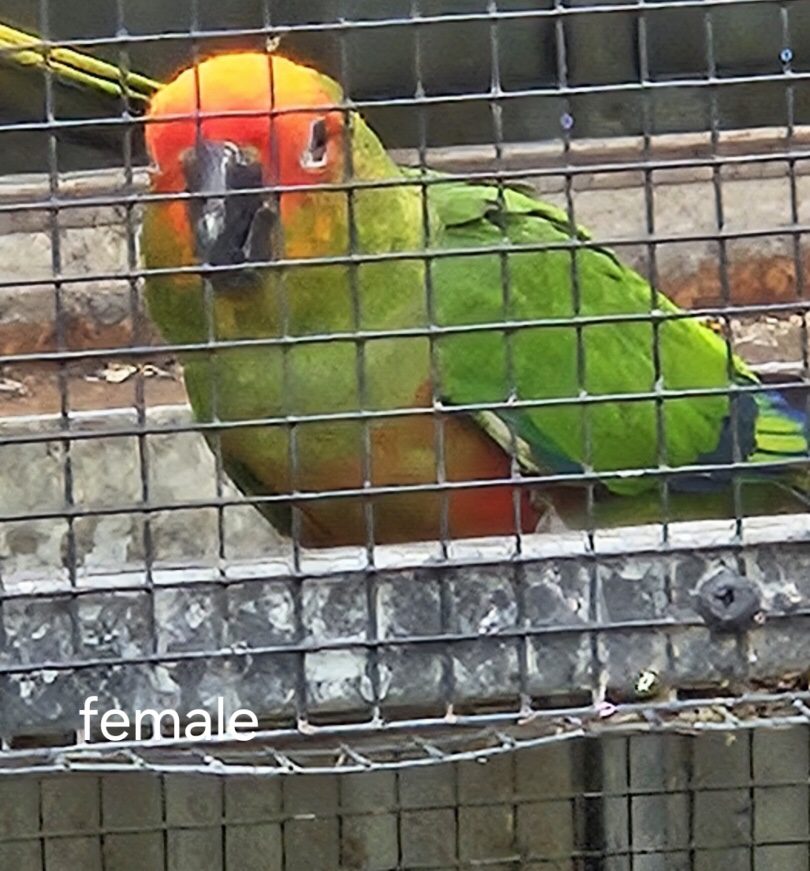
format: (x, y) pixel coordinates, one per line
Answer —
(671, 801)
(457, 486)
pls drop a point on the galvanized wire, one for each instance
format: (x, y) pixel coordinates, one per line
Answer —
(453, 727)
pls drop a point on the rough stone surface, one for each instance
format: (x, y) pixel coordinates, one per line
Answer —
(189, 626)
(107, 473)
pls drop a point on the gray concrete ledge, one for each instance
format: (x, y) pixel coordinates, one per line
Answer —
(335, 638)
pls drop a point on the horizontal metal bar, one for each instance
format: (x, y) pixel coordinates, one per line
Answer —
(447, 639)
(142, 196)
(793, 230)
(215, 577)
(640, 7)
(245, 651)
(519, 159)
(432, 331)
(569, 722)
(293, 574)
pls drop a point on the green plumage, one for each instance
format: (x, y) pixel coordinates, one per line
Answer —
(618, 439)
(616, 358)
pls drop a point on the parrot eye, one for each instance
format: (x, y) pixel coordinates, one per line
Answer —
(314, 156)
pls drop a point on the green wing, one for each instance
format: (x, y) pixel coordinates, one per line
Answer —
(543, 362)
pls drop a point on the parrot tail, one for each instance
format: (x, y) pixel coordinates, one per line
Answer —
(73, 67)
(782, 432)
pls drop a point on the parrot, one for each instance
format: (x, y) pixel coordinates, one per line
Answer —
(397, 352)
(472, 377)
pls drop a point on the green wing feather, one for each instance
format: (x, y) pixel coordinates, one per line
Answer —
(617, 436)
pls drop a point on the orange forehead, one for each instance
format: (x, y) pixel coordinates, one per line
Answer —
(239, 82)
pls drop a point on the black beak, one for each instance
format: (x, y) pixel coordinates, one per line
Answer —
(230, 228)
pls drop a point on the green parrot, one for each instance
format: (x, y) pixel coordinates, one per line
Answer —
(381, 394)
(388, 378)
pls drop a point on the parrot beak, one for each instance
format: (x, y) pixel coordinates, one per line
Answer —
(230, 228)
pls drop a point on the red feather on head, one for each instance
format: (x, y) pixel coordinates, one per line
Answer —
(244, 98)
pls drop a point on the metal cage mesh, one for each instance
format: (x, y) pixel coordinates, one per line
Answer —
(670, 801)
(604, 696)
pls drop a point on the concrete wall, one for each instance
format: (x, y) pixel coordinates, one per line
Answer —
(707, 803)
(748, 39)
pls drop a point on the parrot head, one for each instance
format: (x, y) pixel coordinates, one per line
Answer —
(251, 154)
(242, 122)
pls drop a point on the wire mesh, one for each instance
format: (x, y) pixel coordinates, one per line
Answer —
(556, 609)
(658, 799)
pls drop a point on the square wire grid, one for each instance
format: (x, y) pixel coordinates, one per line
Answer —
(619, 803)
(471, 622)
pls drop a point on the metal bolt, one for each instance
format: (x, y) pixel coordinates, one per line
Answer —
(728, 602)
